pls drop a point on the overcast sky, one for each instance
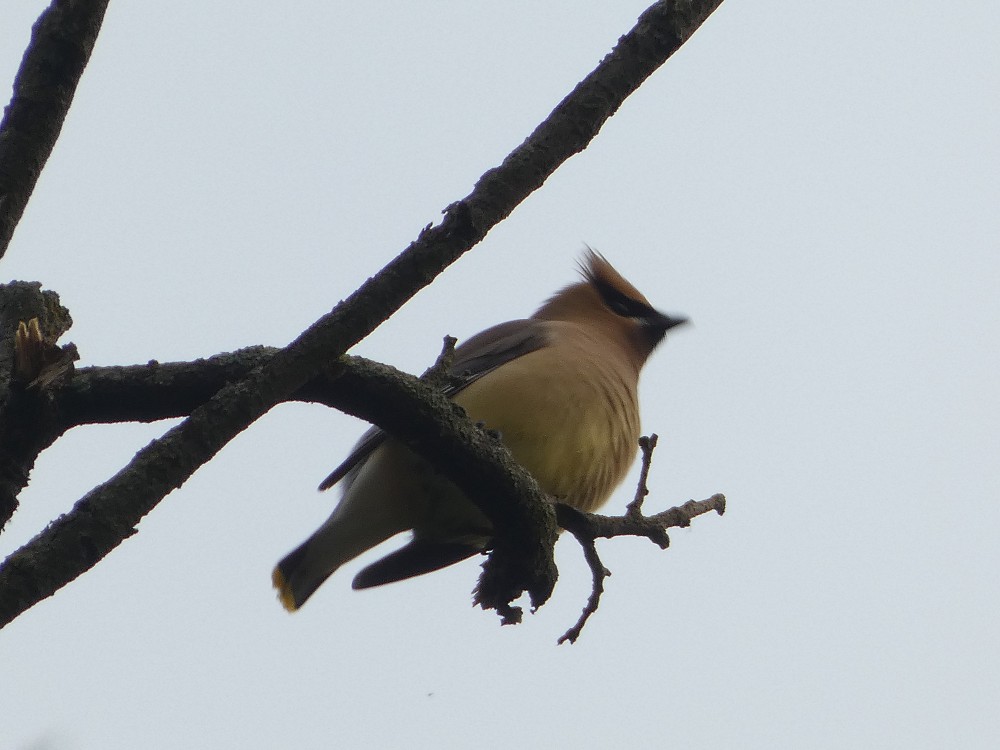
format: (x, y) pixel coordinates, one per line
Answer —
(815, 185)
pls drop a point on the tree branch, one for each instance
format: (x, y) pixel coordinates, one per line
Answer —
(598, 573)
(412, 411)
(28, 422)
(107, 515)
(587, 527)
(61, 42)
(652, 527)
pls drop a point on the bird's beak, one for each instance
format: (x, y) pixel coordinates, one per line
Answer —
(660, 322)
(656, 324)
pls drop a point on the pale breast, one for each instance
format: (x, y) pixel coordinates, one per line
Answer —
(571, 420)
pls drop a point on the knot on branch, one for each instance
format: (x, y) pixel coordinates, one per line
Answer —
(38, 361)
(31, 321)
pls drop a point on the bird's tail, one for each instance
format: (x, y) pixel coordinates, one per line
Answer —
(344, 536)
(297, 577)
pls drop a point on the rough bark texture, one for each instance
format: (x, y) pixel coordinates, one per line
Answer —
(27, 417)
(61, 42)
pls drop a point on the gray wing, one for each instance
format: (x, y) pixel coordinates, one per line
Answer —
(417, 557)
(477, 356)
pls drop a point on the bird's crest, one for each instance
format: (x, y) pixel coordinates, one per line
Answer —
(600, 274)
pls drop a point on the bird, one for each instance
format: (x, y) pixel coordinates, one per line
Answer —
(561, 390)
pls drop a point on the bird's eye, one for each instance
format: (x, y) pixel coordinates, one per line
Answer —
(625, 306)
(620, 303)
(620, 306)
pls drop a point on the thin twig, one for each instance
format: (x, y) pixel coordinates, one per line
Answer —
(439, 374)
(598, 573)
(587, 527)
(646, 445)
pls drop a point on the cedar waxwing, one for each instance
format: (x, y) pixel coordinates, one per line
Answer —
(559, 387)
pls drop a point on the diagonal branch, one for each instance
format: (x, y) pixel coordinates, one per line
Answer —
(61, 42)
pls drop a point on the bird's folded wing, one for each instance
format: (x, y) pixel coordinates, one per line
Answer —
(474, 358)
(416, 558)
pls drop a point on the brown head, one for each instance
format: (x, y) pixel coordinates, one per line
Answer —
(605, 300)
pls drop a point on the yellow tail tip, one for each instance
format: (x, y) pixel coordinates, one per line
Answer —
(284, 590)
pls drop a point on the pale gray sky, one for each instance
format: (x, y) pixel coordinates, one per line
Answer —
(815, 185)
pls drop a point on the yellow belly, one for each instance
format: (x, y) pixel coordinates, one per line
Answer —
(575, 432)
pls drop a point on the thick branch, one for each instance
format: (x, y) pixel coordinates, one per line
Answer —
(28, 423)
(411, 410)
(414, 412)
(61, 42)
(374, 392)
(154, 391)
(394, 400)
(475, 459)
(403, 406)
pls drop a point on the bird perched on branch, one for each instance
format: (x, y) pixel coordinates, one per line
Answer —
(560, 388)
